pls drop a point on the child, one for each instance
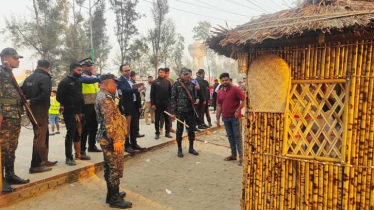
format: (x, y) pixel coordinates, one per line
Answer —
(54, 113)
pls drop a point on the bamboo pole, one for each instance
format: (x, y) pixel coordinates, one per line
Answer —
(307, 69)
(302, 186)
(315, 59)
(325, 185)
(330, 189)
(337, 60)
(335, 190)
(315, 185)
(320, 186)
(328, 61)
(323, 64)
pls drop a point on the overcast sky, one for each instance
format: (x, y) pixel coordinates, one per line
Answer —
(185, 13)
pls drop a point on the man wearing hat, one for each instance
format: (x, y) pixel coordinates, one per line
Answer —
(69, 94)
(182, 108)
(37, 89)
(111, 136)
(90, 88)
(10, 121)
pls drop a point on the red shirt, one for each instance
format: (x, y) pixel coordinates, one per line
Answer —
(230, 100)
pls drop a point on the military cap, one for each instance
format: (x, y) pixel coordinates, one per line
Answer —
(108, 76)
(184, 71)
(86, 62)
(10, 51)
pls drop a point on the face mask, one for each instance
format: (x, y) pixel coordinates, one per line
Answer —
(76, 75)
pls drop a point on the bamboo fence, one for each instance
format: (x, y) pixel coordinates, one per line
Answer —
(275, 179)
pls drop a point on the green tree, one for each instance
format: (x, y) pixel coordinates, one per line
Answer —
(202, 30)
(139, 56)
(159, 10)
(177, 54)
(125, 29)
(168, 39)
(100, 38)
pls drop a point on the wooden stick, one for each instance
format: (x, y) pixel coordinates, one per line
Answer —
(177, 119)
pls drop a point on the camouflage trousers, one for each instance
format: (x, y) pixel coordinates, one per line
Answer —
(113, 165)
(9, 134)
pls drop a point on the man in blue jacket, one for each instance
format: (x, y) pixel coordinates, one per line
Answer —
(128, 107)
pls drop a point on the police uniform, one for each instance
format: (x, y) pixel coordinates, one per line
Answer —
(90, 88)
(112, 130)
(10, 109)
(183, 109)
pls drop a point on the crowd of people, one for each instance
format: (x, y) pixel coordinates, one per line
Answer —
(93, 115)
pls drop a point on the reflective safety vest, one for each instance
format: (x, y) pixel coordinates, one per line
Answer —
(55, 106)
(89, 92)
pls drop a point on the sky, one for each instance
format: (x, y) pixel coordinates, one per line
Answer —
(185, 13)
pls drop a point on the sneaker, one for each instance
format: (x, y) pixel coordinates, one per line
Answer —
(58, 132)
(157, 136)
(70, 162)
(168, 135)
(210, 125)
(52, 134)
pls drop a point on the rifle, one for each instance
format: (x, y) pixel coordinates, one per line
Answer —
(189, 96)
(20, 93)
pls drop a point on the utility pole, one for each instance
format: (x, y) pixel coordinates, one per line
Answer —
(91, 35)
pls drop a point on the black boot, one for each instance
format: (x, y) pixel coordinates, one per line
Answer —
(116, 201)
(121, 194)
(12, 178)
(180, 153)
(6, 186)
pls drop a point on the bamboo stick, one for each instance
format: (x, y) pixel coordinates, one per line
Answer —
(335, 190)
(303, 63)
(325, 185)
(315, 185)
(320, 186)
(337, 60)
(315, 59)
(330, 189)
(323, 64)
(307, 69)
(328, 61)
(303, 202)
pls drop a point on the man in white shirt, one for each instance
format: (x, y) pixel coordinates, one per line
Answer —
(147, 105)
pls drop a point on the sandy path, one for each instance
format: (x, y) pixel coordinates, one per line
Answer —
(196, 182)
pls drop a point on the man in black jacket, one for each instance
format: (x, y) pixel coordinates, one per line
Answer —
(160, 98)
(69, 94)
(203, 95)
(37, 89)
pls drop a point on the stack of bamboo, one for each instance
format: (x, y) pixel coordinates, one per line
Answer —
(274, 181)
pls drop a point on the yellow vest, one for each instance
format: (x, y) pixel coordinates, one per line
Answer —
(55, 106)
(89, 92)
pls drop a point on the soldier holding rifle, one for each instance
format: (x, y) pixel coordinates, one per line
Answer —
(10, 120)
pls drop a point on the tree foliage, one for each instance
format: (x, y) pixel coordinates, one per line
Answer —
(159, 10)
(202, 30)
(125, 29)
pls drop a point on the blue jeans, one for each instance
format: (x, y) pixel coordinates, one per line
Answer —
(232, 126)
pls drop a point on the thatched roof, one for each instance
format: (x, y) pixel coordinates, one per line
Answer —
(322, 16)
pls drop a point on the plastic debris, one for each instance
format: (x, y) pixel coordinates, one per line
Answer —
(148, 160)
(205, 142)
(168, 191)
(198, 162)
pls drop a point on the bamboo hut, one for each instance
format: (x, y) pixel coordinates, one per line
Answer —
(309, 135)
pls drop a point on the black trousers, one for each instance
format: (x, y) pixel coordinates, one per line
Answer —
(40, 143)
(160, 108)
(89, 128)
(71, 134)
(201, 112)
(207, 113)
(215, 101)
(134, 129)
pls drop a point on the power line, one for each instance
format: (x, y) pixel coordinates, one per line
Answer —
(257, 6)
(276, 4)
(244, 5)
(219, 10)
(199, 14)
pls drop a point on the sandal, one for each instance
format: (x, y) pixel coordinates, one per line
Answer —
(240, 161)
(229, 158)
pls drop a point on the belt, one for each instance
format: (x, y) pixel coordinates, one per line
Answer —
(11, 101)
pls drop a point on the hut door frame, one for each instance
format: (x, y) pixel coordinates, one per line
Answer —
(299, 137)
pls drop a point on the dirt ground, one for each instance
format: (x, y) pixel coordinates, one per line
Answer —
(159, 180)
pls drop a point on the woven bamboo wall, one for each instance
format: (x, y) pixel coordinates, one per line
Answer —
(272, 180)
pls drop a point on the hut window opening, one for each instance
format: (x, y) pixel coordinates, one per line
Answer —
(317, 121)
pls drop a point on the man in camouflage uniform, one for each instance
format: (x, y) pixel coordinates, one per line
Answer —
(111, 136)
(10, 120)
(182, 108)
